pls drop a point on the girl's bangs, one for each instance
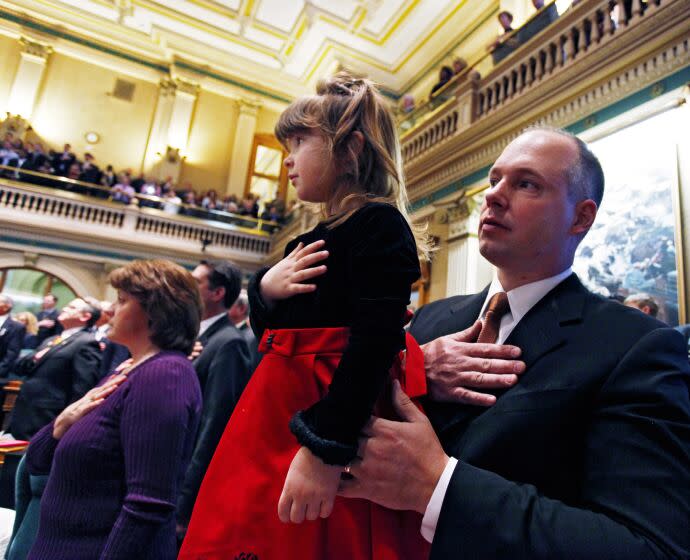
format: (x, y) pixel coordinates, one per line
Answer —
(300, 116)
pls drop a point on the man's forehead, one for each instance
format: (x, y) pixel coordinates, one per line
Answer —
(539, 149)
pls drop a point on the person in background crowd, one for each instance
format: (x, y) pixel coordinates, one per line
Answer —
(122, 191)
(223, 368)
(505, 19)
(643, 302)
(150, 187)
(8, 157)
(61, 371)
(231, 204)
(239, 316)
(62, 162)
(90, 172)
(116, 456)
(137, 182)
(250, 206)
(459, 65)
(11, 337)
(588, 456)
(171, 202)
(444, 76)
(109, 178)
(47, 318)
(112, 353)
(74, 171)
(211, 202)
(29, 321)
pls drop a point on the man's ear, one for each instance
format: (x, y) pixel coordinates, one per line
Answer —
(219, 293)
(585, 212)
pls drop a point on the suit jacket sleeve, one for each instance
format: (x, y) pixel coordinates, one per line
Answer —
(228, 375)
(86, 367)
(14, 346)
(635, 492)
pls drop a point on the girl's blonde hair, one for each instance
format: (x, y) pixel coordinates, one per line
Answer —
(343, 105)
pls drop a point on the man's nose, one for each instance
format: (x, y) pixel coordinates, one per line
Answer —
(497, 194)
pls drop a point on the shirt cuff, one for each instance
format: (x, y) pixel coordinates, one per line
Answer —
(433, 509)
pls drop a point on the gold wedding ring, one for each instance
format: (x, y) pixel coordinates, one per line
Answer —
(347, 469)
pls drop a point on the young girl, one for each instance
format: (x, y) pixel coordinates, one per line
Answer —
(329, 346)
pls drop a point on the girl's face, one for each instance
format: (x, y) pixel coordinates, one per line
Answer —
(310, 166)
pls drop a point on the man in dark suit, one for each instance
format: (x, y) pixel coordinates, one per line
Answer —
(61, 371)
(48, 324)
(224, 368)
(11, 337)
(239, 316)
(588, 456)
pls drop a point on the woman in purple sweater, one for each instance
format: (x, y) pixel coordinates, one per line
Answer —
(117, 456)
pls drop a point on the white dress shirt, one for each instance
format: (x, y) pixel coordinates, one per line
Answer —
(206, 323)
(4, 318)
(521, 300)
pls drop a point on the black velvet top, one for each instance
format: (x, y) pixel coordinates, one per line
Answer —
(371, 265)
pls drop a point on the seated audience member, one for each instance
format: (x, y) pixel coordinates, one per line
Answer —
(62, 162)
(231, 204)
(90, 172)
(62, 370)
(171, 202)
(407, 103)
(150, 187)
(116, 456)
(211, 202)
(250, 206)
(272, 214)
(643, 302)
(11, 337)
(8, 157)
(137, 182)
(74, 171)
(544, 17)
(444, 76)
(588, 455)
(30, 322)
(122, 191)
(223, 368)
(35, 156)
(47, 318)
(109, 178)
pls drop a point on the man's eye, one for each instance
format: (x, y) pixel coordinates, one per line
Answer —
(527, 185)
(493, 181)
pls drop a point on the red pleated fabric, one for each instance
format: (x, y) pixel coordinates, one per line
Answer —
(236, 512)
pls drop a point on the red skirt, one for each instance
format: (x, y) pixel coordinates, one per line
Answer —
(236, 512)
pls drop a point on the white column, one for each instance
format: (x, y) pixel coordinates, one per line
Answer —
(456, 282)
(27, 80)
(171, 126)
(242, 146)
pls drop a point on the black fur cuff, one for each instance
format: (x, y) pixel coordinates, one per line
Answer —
(329, 451)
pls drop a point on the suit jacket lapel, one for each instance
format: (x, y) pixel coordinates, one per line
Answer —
(462, 314)
(213, 329)
(539, 332)
(60, 345)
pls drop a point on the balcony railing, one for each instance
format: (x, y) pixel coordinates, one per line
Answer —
(56, 212)
(571, 45)
(169, 206)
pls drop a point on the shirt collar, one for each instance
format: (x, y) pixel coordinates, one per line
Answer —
(4, 318)
(64, 335)
(523, 298)
(206, 323)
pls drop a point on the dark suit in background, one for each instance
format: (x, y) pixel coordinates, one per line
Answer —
(252, 344)
(588, 456)
(224, 368)
(46, 332)
(61, 376)
(11, 342)
(113, 354)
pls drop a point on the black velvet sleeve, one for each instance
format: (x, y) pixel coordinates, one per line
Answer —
(382, 265)
(258, 311)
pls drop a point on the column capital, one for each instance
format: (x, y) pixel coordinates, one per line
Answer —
(186, 86)
(166, 87)
(248, 107)
(35, 49)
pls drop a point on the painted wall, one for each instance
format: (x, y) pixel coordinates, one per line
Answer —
(75, 99)
(210, 143)
(9, 61)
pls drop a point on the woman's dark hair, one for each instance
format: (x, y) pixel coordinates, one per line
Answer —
(170, 298)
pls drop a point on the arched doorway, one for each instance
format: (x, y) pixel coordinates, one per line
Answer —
(27, 286)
